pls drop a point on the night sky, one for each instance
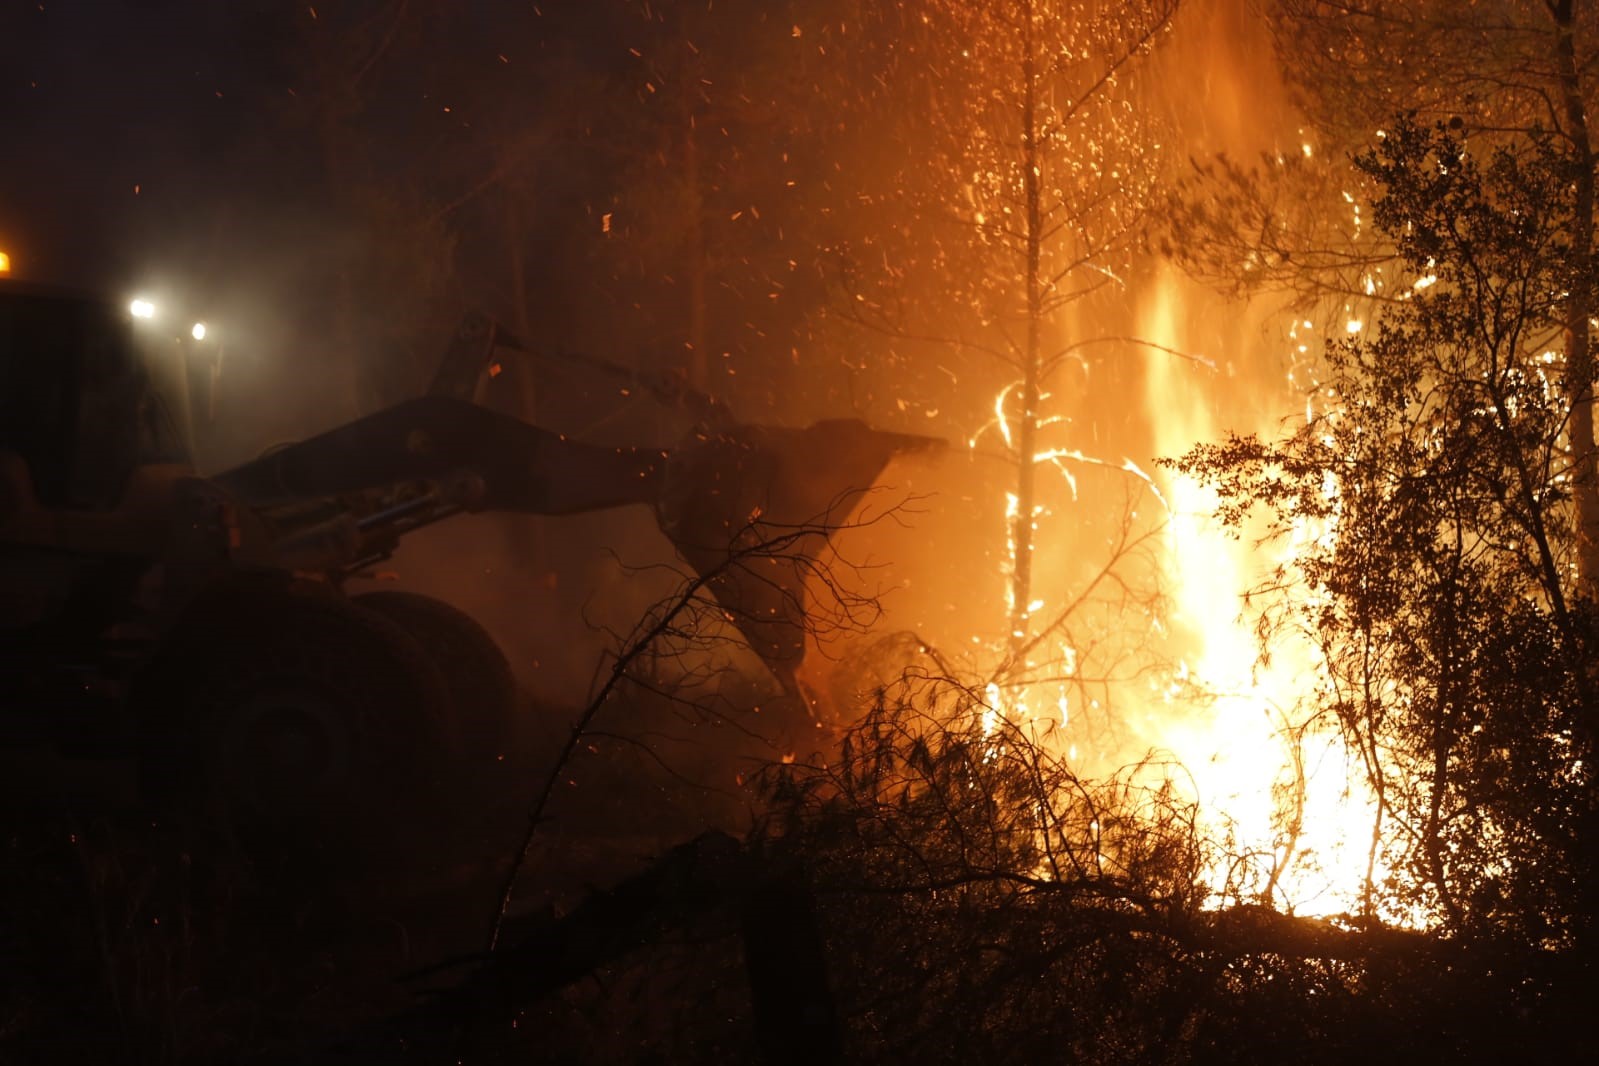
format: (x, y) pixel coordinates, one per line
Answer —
(118, 115)
(221, 159)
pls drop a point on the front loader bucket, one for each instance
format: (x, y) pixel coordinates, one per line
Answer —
(752, 509)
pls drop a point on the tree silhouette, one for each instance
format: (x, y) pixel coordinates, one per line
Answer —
(1510, 73)
(1444, 596)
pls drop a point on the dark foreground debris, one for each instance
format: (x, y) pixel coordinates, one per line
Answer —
(726, 950)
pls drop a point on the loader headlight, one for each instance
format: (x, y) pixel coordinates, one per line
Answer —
(198, 332)
(142, 309)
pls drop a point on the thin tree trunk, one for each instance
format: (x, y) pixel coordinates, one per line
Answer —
(1450, 694)
(1027, 437)
(1579, 342)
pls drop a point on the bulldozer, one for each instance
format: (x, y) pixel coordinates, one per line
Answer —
(200, 624)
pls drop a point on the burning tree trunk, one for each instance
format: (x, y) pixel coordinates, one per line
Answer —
(1071, 233)
(1043, 173)
(1021, 590)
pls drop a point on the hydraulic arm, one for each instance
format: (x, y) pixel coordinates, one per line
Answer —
(338, 502)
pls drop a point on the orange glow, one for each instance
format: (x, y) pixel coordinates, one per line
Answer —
(1131, 633)
(5, 263)
(1268, 773)
(1279, 792)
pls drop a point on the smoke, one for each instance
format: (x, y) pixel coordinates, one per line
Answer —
(332, 289)
(1164, 656)
(1221, 365)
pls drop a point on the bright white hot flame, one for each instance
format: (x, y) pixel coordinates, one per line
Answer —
(1285, 790)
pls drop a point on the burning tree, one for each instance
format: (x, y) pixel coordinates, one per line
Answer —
(1041, 175)
(944, 892)
(1443, 594)
(1372, 264)
(1516, 70)
(1512, 73)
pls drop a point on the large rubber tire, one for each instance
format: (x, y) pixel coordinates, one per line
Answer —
(479, 678)
(295, 723)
